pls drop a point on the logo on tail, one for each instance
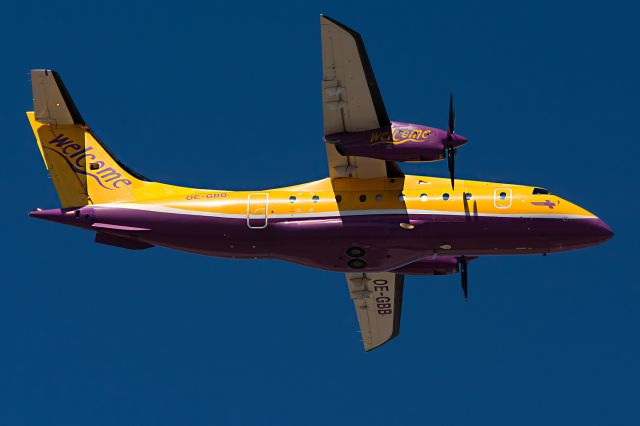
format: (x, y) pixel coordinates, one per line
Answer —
(77, 157)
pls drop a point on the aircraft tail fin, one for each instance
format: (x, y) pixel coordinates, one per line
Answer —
(83, 170)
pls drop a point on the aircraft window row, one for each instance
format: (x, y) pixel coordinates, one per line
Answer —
(363, 198)
(401, 197)
(315, 199)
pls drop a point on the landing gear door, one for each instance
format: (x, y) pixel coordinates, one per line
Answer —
(502, 198)
(257, 205)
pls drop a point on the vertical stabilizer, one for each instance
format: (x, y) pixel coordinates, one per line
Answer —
(81, 167)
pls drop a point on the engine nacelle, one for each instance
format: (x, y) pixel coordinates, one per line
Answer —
(429, 266)
(399, 142)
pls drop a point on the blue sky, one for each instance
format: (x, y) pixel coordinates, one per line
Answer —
(227, 96)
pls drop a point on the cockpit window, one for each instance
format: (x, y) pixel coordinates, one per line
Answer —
(540, 191)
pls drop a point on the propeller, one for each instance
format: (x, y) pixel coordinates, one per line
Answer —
(451, 151)
(464, 275)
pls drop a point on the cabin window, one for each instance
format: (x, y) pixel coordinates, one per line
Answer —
(378, 197)
(338, 198)
(401, 197)
(363, 198)
(467, 196)
(292, 199)
(445, 196)
(503, 195)
(315, 198)
(540, 191)
(423, 197)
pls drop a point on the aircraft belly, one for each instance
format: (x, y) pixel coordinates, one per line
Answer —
(319, 243)
(388, 241)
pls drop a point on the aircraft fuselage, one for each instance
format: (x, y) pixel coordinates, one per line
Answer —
(393, 221)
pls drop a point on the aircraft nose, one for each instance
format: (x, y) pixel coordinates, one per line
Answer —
(600, 231)
(580, 233)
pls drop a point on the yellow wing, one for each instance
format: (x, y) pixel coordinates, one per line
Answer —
(351, 99)
(377, 297)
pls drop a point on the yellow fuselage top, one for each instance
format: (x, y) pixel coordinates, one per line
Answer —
(347, 196)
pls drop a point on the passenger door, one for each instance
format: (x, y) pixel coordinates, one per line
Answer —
(257, 205)
(502, 198)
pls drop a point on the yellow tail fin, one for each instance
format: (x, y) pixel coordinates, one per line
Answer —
(82, 169)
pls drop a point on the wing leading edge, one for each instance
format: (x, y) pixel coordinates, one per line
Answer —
(351, 99)
(377, 297)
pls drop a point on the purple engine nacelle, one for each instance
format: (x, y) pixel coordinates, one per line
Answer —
(398, 142)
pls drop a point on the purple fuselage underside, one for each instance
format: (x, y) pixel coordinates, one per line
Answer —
(323, 242)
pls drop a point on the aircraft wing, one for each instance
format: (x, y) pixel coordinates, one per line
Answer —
(351, 99)
(377, 297)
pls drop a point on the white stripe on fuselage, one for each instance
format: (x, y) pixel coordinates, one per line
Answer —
(173, 210)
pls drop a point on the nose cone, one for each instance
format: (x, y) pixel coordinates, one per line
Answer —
(579, 233)
(600, 231)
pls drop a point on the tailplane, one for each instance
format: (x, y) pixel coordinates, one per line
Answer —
(81, 167)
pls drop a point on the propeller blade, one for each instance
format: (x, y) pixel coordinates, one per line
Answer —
(464, 275)
(451, 151)
(452, 115)
(451, 155)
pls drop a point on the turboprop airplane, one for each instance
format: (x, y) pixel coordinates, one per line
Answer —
(367, 220)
